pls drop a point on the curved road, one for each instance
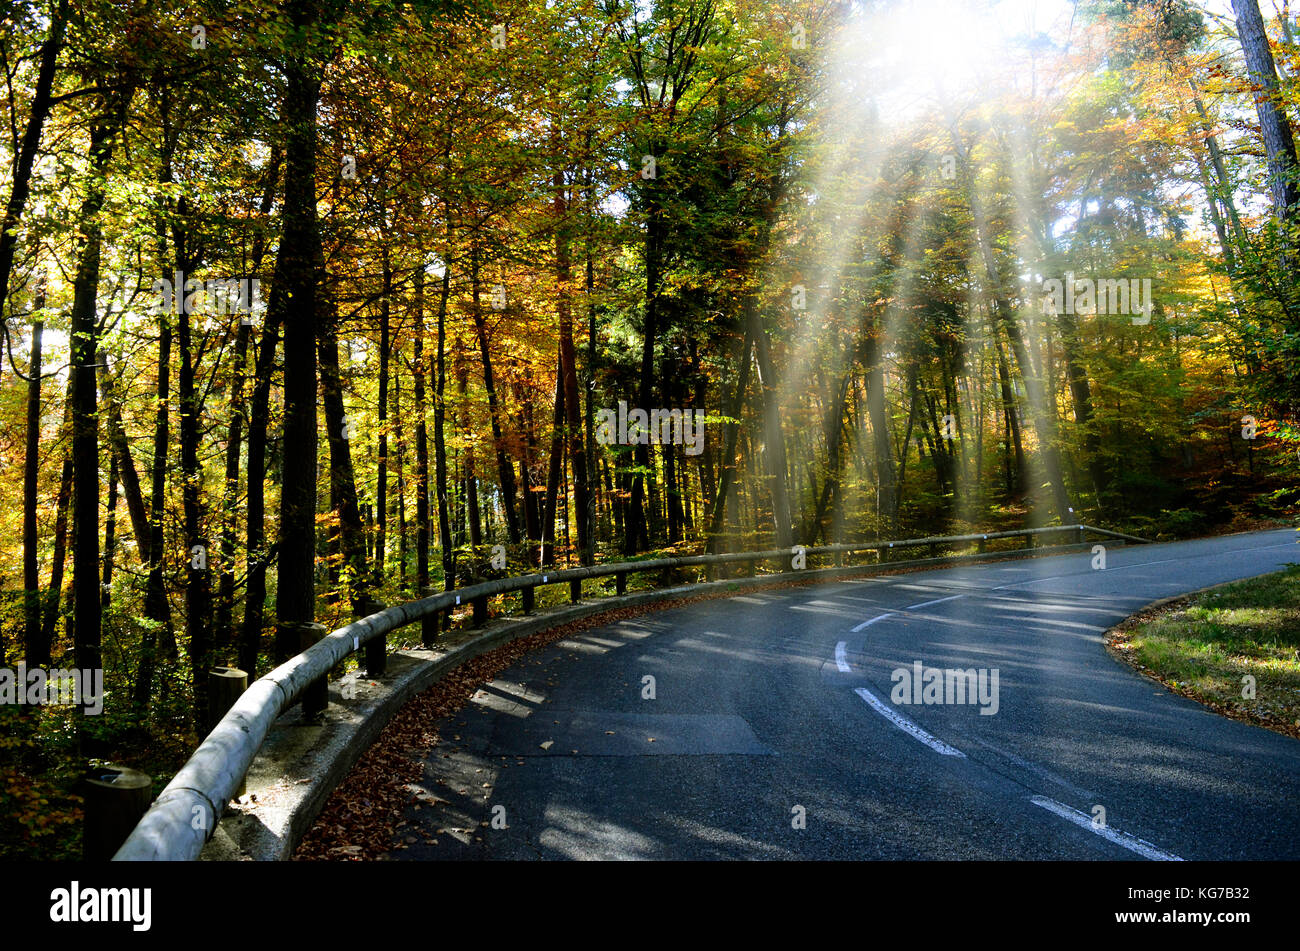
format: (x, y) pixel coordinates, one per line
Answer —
(778, 729)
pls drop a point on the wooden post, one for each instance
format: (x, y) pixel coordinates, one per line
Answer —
(116, 798)
(575, 590)
(294, 637)
(429, 623)
(480, 610)
(620, 583)
(529, 594)
(377, 647)
(225, 684)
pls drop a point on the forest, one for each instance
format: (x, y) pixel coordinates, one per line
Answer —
(309, 304)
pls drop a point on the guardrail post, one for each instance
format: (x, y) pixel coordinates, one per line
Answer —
(294, 637)
(934, 549)
(620, 583)
(116, 798)
(429, 623)
(1078, 534)
(376, 647)
(480, 610)
(575, 590)
(1029, 540)
(529, 595)
(225, 684)
(982, 546)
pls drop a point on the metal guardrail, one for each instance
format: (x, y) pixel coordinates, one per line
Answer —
(185, 814)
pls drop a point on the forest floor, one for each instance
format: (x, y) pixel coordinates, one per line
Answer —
(1234, 648)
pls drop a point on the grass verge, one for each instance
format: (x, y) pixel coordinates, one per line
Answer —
(1234, 648)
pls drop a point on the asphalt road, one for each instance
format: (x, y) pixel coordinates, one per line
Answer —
(772, 732)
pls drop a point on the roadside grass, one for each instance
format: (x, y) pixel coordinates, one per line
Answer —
(1206, 645)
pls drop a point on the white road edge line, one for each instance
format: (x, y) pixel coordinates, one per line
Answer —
(871, 622)
(926, 604)
(1084, 821)
(906, 725)
(841, 661)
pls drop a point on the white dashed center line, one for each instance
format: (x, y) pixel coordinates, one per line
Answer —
(926, 604)
(906, 725)
(1084, 821)
(871, 622)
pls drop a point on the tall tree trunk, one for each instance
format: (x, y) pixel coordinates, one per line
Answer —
(505, 470)
(34, 652)
(400, 435)
(886, 487)
(54, 594)
(31, 141)
(342, 476)
(225, 636)
(258, 554)
(381, 477)
(297, 266)
(773, 436)
(121, 455)
(198, 593)
(727, 463)
(439, 433)
(421, 445)
(84, 333)
(637, 522)
(569, 372)
(1273, 124)
(553, 471)
(224, 625)
(110, 531)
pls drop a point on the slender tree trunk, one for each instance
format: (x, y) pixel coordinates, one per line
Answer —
(198, 593)
(505, 471)
(54, 593)
(400, 435)
(886, 487)
(297, 266)
(727, 463)
(553, 472)
(84, 333)
(121, 456)
(342, 475)
(110, 530)
(258, 554)
(31, 141)
(773, 437)
(421, 446)
(439, 434)
(224, 625)
(569, 372)
(381, 478)
(35, 653)
(1273, 124)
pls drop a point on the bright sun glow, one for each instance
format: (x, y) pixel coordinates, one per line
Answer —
(920, 52)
